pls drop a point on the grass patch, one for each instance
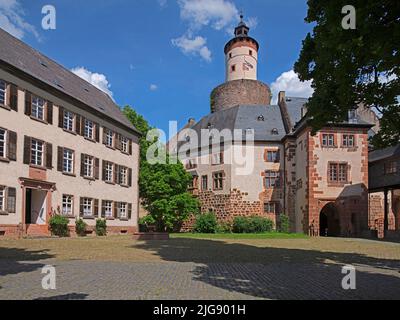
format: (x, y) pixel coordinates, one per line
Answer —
(235, 236)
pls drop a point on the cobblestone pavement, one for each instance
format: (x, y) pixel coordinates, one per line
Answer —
(185, 271)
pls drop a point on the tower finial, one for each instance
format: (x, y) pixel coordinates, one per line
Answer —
(241, 16)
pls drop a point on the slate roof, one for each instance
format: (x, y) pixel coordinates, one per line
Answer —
(21, 56)
(382, 154)
(246, 117)
(294, 106)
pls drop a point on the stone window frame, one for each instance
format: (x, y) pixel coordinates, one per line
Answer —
(218, 158)
(273, 174)
(38, 107)
(218, 180)
(327, 143)
(338, 182)
(107, 206)
(271, 150)
(349, 135)
(67, 200)
(4, 143)
(88, 129)
(3, 199)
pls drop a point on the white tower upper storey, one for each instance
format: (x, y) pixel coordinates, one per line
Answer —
(241, 55)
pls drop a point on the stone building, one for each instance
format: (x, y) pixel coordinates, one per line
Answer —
(65, 148)
(319, 181)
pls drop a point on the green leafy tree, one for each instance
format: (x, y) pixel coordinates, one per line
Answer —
(163, 187)
(352, 67)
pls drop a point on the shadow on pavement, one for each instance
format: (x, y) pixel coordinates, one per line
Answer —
(280, 273)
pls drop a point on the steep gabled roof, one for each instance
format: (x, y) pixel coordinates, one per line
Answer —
(16, 54)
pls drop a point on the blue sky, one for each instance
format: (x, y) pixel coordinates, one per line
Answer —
(163, 57)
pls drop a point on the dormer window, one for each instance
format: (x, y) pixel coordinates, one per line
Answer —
(275, 132)
(261, 118)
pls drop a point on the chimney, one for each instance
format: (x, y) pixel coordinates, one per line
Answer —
(192, 121)
(281, 97)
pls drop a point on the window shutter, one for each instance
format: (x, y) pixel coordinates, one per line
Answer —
(130, 146)
(81, 207)
(49, 156)
(103, 209)
(11, 200)
(130, 177)
(116, 174)
(49, 107)
(13, 97)
(97, 132)
(96, 168)
(82, 165)
(78, 120)
(60, 159)
(96, 207)
(12, 146)
(105, 135)
(27, 150)
(82, 128)
(118, 141)
(60, 117)
(28, 103)
(116, 204)
(129, 211)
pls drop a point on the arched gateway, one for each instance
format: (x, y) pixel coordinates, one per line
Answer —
(329, 221)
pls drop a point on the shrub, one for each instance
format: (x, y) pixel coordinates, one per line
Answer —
(224, 227)
(59, 226)
(283, 223)
(206, 223)
(80, 227)
(101, 227)
(145, 223)
(252, 225)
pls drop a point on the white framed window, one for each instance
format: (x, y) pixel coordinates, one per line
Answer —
(3, 92)
(328, 140)
(124, 144)
(89, 129)
(68, 161)
(348, 140)
(109, 172)
(87, 207)
(67, 205)
(272, 179)
(109, 138)
(108, 209)
(37, 152)
(3, 143)
(2, 199)
(123, 175)
(123, 210)
(88, 166)
(68, 121)
(38, 108)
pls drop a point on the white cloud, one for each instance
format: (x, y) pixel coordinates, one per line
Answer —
(290, 82)
(200, 13)
(162, 3)
(153, 87)
(12, 19)
(98, 80)
(193, 46)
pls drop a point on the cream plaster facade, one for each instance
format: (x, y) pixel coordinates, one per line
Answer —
(23, 125)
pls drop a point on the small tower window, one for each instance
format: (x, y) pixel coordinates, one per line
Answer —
(233, 68)
(230, 55)
(251, 52)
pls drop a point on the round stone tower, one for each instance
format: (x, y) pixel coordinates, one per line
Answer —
(241, 86)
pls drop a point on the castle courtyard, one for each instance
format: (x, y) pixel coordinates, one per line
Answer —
(189, 267)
